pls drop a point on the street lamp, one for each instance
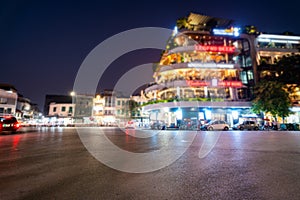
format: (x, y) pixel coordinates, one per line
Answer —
(72, 93)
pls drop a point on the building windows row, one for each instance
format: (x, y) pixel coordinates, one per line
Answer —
(9, 101)
(5, 110)
(63, 109)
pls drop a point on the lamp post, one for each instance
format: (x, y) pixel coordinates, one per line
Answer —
(73, 94)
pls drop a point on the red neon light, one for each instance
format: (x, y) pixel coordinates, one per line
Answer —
(225, 49)
(230, 84)
(233, 84)
(197, 83)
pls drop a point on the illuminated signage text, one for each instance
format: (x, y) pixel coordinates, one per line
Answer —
(224, 49)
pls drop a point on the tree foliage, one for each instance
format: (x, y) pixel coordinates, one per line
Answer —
(133, 108)
(183, 23)
(272, 97)
(288, 69)
(250, 30)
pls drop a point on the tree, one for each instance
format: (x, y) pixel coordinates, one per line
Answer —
(271, 97)
(183, 23)
(250, 30)
(133, 108)
(288, 70)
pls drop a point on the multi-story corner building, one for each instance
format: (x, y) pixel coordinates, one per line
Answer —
(207, 71)
(110, 108)
(8, 99)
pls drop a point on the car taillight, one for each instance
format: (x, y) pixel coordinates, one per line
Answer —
(17, 125)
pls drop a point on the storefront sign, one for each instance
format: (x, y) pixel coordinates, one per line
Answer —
(195, 83)
(233, 31)
(210, 65)
(213, 48)
(233, 84)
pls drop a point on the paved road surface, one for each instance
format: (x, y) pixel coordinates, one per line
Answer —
(52, 163)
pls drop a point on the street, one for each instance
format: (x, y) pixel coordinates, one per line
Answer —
(52, 163)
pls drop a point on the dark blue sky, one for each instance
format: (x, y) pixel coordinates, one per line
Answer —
(42, 43)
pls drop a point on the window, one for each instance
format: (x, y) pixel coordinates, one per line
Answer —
(243, 77)
(3, 100)
(63, 109)
(70, 109)
(54, 109)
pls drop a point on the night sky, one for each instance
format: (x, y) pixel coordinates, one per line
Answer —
(43, 43)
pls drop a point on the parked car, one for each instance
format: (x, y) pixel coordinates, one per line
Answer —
(172, 127)
(246, 125)
(216, 125)
(289, 127)
(9, 124)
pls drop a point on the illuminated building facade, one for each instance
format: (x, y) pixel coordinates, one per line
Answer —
(270, 49)
(208, 71)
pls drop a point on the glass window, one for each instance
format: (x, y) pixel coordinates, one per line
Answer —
(63, 109)
(54, 109)
(250, 75)
(243, 77)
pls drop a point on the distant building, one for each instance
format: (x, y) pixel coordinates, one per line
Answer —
(61, 109)
(109, 107)
(98, 109)
(24, 110)
(8, 99)
(83, 108)
(50, 98)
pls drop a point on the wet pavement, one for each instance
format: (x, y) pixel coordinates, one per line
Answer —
(53, 163)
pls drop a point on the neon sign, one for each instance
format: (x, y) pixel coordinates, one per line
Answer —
(210, 65)
(233, 31)
(193, 83)
(233, 84)
(224, 49)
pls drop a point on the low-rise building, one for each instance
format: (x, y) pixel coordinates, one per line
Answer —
(8, 99)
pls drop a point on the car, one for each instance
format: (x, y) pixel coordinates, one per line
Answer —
(216, 125)
(247, 125)
(9, 124)
(172, 127)
(130, 125)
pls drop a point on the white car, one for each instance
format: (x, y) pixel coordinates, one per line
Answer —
(216, 125)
